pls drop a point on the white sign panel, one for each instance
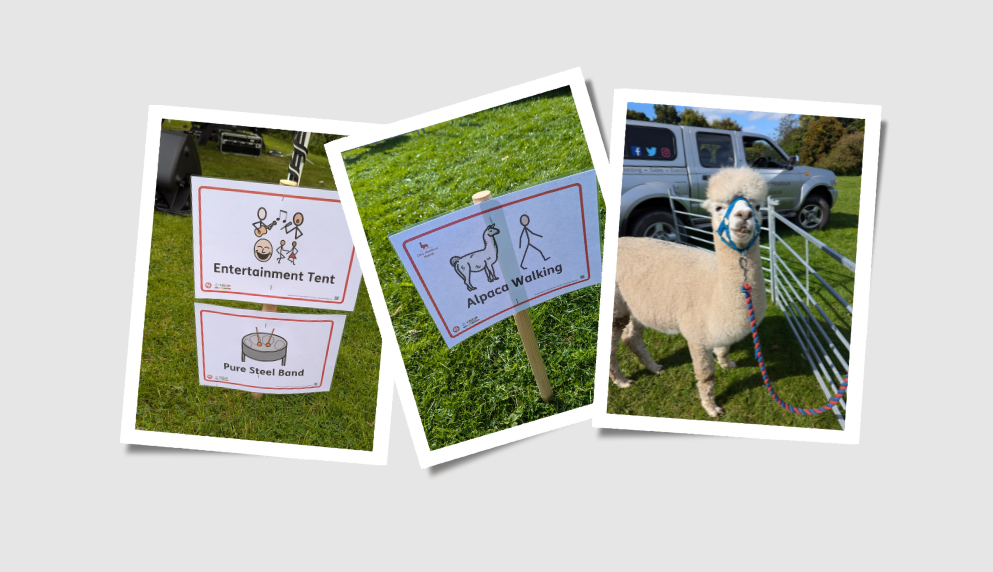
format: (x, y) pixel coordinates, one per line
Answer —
(272, 244)
(477, 265)
(267, 352)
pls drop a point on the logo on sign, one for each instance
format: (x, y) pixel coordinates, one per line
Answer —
(666, 152)
(207, 285)
(210, 376)
(636, 151)
(651, 151)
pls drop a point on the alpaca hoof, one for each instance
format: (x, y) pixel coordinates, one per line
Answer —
(714, 411)
(655, 368)
(730, 365)
(622, 383)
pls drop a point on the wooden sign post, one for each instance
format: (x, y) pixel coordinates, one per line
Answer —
(273, 307)
(524, 329)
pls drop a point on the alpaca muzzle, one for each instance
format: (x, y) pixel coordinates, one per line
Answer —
(724, 231)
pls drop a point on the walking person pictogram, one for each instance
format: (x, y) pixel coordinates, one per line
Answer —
(527, 232)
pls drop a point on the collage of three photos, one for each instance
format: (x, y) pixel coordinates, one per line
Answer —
(487, 260)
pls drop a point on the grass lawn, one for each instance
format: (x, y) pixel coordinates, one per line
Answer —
(740, 391)
(484, 384)
(170, 398)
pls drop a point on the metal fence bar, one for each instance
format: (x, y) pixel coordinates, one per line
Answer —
(771, 212)
(841, 299)
(828, 386)
(816, 305)
(789, 320)
(792, 300)
(675, 217)
(827, 249)
(793, 296)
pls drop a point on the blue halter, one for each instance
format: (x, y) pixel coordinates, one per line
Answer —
(724, 230)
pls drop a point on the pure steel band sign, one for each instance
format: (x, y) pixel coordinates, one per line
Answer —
(272, 244)
(477, 265)
(266, 352)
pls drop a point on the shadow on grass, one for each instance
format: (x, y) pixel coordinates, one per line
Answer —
(350, 157)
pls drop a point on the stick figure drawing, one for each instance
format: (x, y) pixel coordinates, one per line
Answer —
(480, 260)
(527, 232)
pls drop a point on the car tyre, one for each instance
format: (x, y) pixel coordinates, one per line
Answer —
(656, 224)
(814, 214)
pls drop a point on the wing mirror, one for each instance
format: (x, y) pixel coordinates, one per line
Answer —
(793, 161)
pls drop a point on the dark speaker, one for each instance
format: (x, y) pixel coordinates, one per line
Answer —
(178, 160)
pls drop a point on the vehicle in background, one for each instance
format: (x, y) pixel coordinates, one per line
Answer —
(660, 159)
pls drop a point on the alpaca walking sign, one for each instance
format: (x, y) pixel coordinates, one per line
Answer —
(478, 265)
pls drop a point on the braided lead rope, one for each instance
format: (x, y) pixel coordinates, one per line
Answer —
(747, 290)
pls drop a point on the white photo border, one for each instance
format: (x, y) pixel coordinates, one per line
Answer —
(132, 436)
(867, 215)
(572, 78)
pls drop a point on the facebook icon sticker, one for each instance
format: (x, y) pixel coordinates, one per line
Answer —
(636, 151)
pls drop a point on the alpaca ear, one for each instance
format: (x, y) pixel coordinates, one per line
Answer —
(709, 206)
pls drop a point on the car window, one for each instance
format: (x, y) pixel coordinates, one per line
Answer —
(715, 150)
(651, 143)
(757, 149)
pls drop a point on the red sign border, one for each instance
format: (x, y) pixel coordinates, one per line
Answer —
(203, 350)
(200, 189)
(582, 210)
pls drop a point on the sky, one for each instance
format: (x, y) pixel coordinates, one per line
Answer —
(753, 121)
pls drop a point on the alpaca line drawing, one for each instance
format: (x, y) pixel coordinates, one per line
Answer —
(478, 261)
(527, 232)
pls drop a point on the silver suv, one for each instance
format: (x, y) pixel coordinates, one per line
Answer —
(661, 158)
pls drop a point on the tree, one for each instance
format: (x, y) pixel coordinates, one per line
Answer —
(666, 114)
(726, 123)
(632, 114)
(788, 134)
(853, 125)
(819, 138)
(845, 158)
(693, 118)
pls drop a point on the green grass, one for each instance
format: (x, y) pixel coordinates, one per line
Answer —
(170, 398)
(484, 384)
(740, 391)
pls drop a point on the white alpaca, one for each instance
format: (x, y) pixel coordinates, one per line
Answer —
(481, 260)
(677, 289)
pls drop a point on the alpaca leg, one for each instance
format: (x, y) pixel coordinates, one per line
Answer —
(703, 367)
(722, 358)
(632, 338)
(621, 318)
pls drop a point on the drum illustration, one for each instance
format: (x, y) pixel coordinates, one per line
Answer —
(263, 347)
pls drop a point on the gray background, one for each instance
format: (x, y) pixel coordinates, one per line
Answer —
(78, 81)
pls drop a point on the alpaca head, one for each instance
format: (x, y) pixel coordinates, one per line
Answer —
(724, 188)
(491, 230)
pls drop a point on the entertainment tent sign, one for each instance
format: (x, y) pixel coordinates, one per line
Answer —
(272, 244)
(267, 352)
(478, 265)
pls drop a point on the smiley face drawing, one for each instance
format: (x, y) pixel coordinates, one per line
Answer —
(263, 250)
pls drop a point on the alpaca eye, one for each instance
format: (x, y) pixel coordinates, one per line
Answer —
(719, 209)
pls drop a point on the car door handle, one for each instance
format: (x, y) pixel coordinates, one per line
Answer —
(706, 177)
